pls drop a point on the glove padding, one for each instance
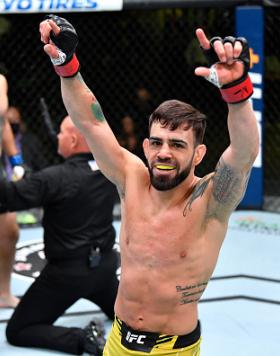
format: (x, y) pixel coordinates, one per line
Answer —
(67, 64)
(241, 89)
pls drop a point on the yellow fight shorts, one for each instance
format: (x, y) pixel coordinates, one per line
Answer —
(125, 341)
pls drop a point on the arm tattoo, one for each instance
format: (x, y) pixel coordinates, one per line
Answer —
(97, 111)
(226, 184)
(197, 192)
(95, 106)
(191, 293)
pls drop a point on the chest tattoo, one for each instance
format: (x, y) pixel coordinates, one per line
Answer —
(197, 192)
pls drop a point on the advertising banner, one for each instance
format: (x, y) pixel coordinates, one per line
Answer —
(36, 6)
(249, 24)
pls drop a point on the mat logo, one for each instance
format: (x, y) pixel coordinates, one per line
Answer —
(257, 225)
(134, 337)
(30, 259)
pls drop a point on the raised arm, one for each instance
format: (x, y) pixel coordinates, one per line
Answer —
(3, 96)
(60, 40)
(8, 140)
(9, 145)
(229, 59)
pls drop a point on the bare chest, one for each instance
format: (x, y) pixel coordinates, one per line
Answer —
(161, 238)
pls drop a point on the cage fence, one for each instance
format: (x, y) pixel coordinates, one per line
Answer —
(133, 60)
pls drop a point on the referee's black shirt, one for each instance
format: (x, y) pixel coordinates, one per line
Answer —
(78, 205)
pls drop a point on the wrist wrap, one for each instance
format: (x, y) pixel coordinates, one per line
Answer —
(69, 69)
(16, 160)
(240, 91)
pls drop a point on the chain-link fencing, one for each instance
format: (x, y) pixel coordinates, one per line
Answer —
(133, 60)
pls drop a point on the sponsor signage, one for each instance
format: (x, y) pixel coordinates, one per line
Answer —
(36, 6)
(253, 31)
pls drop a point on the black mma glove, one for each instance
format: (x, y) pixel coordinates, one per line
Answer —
(240, 89)
(67, 64)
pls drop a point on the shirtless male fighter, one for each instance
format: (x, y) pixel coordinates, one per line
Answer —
(173, 222)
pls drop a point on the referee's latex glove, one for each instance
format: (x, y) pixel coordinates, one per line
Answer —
(60, 40)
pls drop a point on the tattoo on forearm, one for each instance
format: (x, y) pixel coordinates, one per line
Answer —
(191, 293)
(95, 106)
(97, 111)
(197, 192)
(226, 184)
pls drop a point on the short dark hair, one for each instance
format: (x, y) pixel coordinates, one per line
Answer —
(174, 113)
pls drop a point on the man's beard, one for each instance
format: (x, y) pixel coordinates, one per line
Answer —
(164, 182)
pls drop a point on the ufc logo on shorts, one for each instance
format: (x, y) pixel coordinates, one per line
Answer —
(134, 337)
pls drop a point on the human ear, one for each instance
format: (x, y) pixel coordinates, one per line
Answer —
(200, 152)
(74, 140)
(146, 147)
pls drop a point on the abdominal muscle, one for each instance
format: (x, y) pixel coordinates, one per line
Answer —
(154, 309)
(167, 259)
(159, 291)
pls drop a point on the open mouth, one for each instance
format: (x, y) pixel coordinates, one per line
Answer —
(165, 167)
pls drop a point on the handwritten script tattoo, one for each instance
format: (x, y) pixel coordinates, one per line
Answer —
(226, 184)
(197, 192)
(191, 293)
(97, 111)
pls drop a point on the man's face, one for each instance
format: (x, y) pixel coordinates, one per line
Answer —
(170, 156)
(65, 138)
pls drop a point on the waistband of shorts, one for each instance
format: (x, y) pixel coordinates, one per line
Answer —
(151, 339)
